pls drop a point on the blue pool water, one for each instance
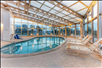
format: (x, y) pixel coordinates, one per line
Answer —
(33, 45)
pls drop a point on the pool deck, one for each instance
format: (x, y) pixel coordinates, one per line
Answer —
(54, 59)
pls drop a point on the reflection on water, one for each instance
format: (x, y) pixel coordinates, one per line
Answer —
(34, 45)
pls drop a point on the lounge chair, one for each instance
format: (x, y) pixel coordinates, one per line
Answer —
(79, 39)
(84, 42)
(94, 48)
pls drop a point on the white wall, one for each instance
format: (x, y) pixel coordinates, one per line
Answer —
(6, 22)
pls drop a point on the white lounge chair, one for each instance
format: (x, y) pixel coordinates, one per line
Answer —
(84, 42)
(94, 48)
(79, 39)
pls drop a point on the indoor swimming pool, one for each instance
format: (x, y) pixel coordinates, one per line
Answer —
(37, 44)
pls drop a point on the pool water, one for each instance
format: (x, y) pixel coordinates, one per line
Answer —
(33, 45)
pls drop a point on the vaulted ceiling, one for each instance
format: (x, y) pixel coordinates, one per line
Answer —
(49, 12)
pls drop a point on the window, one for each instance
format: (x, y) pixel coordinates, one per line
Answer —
(44, 30)
(35, 29)
(68, 31)
(73, 31)
(89, 18)
(78, 30)
(90, 28)
(52, 30)
(63, 31)
(24, 27)
(40, 29)
(30, 28)
(95, 10)
(48, 30)
(18, 26)
(85, 29)
(55, 30)
(95, 30)
(85, 20)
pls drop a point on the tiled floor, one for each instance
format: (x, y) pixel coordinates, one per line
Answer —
(54, 59)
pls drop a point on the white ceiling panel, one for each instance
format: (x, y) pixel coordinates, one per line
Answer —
(77, 6)
(51, 18)
(45, 16)
(82, 12)
(72, 15)
(49, 4)
(31, 12)
(36, 4)
(66, 13)
(39, 14)
(53, 11)
(68, 3)
(57, 8)
(41, 1)
(66, 17)
(45, 8)
(60, 15)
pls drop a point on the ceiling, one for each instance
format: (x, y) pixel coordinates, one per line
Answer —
(49, 12)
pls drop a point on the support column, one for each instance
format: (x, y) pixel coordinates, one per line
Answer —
(100, 18)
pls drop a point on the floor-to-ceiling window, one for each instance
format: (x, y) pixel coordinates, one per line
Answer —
(73, 30)
(35, 29)
(85, 29)
(44, 30)
(63, 31)
(18, 26)
(90, 28)
(24, 27)
(95, 10)
(68, 31)
(78, 30)
(30, 28)
(48, 30)
(52, 33)
(95, 30)
(40, 29)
